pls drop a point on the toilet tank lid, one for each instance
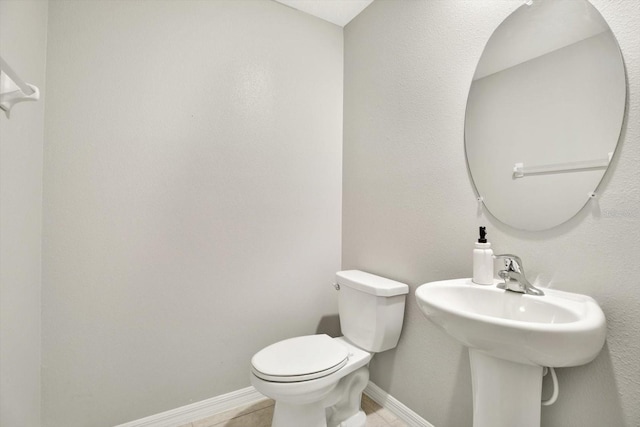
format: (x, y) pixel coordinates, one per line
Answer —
(370, 283)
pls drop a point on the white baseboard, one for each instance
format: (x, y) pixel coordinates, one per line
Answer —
(246, 396)
(199, 410)
(394, 406)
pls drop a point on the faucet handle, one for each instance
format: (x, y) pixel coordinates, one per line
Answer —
(511, 262)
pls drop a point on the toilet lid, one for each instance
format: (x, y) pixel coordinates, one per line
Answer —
(300, 359)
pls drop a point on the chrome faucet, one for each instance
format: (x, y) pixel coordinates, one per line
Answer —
(513, 276)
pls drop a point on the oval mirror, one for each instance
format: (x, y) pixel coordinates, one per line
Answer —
(544, 112)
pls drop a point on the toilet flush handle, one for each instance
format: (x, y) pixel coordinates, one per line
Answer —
(337, 286)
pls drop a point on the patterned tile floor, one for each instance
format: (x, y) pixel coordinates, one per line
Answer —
(259, 415)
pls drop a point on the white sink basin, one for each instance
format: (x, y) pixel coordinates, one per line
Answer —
(556, 330)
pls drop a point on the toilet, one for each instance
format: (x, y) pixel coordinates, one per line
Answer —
(316, 380)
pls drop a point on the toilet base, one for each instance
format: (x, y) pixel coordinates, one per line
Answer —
(339, 407)
(344, 402)
(357, 420)
(309, 415)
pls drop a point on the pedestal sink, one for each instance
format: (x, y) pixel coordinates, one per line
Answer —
(511, 337)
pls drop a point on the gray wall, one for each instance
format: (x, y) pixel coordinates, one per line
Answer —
(192, 198)
(409, 209)
(23, 41)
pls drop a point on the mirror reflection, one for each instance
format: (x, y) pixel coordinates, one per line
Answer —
(544, 112)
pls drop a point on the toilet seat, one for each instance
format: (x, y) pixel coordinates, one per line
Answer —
(300, 359)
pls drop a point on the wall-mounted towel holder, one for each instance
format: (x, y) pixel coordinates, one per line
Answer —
(13, 89)
(520, 170)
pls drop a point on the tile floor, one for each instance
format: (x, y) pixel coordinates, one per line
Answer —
(259, 415)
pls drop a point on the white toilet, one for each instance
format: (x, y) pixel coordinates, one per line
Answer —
(316, 380)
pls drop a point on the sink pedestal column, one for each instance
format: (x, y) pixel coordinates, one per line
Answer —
(505, 394)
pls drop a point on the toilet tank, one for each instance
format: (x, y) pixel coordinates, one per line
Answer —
(371, 309)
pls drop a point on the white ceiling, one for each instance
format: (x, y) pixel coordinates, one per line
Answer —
(339, 12)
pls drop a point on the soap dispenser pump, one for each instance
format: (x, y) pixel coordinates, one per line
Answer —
(483, 260)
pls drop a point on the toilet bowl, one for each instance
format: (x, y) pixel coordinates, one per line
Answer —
(323, 389)
(316, 380)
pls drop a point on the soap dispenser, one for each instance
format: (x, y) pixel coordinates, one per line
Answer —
(483, 260)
